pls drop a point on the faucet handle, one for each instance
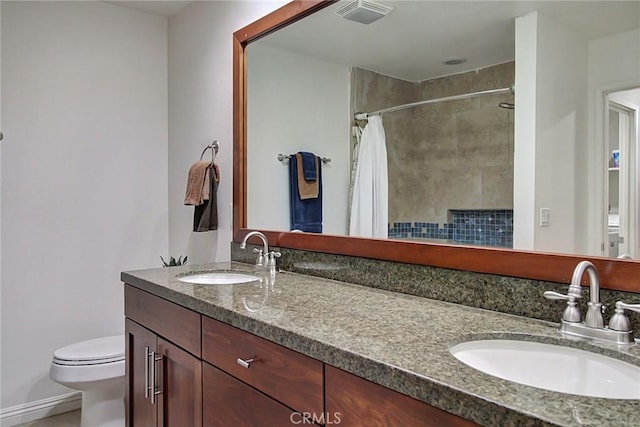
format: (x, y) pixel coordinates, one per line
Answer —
(625, 306)
(260, 259)
(557, 296)
(571, 313)
(619, 321)
(271, 258)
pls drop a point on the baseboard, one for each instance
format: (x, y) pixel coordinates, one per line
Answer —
(40, 409)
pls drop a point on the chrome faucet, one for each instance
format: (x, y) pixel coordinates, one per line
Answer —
(594, 310)
(619, 330)
(262, 253)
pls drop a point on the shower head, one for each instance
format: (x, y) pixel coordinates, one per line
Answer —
(509, 105)
(364, 11)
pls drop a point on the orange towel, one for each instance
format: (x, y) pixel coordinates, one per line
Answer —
(195, 183)
(307, 189)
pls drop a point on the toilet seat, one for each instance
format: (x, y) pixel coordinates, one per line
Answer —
(91, 352)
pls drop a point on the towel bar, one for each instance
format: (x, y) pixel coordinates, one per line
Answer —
(214, 150)
(283, 157)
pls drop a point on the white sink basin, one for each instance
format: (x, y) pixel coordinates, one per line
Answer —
(218, 278)
(552, 367)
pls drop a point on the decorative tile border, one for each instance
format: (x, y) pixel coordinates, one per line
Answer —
(481, 227)
(421, 230)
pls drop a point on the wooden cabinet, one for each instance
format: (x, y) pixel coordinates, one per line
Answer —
(354, 401)
(230, 402)
(184, 369)
(164, 381)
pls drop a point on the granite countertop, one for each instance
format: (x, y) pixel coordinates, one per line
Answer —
(396, 340)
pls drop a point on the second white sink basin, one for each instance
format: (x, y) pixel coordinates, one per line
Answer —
(218, 278)
(552, 367)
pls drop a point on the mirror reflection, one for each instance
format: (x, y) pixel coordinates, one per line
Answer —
(550, 167)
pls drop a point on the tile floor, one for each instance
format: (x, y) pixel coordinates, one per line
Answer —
(68, 419)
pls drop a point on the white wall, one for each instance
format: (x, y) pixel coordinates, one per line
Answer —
(557, 130)
(630, 98)
(524, 156)
(0, 198)
(319, 123)
(200, 110)
(84, 179)
(561, 136)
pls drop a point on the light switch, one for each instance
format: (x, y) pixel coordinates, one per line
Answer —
(545, 214)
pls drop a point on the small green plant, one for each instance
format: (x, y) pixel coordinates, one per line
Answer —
(174, 262)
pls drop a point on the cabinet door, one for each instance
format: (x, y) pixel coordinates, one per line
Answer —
(354, 401)
(180, 384)
(140, 410)
(230, 402)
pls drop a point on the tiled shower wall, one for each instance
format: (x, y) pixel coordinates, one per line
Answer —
(480, 227)
(455, 155)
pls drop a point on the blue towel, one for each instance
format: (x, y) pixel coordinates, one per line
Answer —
(305, 215)
(308, 166)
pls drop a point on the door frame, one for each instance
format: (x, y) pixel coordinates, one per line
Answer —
(629, 209)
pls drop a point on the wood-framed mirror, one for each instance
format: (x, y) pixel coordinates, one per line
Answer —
(615, 274)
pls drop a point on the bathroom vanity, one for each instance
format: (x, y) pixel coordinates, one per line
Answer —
(275, 386)
(294, 349)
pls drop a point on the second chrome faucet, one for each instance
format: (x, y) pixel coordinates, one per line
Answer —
(619, 330)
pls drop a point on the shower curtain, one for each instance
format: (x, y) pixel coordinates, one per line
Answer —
(370, 200)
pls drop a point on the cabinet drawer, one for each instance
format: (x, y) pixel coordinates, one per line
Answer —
(358, 402)
(288, 376)
(177, 324)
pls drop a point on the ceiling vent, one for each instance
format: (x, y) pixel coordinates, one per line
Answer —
(364, 11)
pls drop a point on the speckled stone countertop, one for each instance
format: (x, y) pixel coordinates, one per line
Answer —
(396, 340)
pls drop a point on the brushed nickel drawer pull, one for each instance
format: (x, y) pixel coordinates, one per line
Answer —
(147, 387)
(245, 363)
(155, 358)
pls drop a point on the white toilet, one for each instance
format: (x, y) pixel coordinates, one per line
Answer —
(96, 367)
